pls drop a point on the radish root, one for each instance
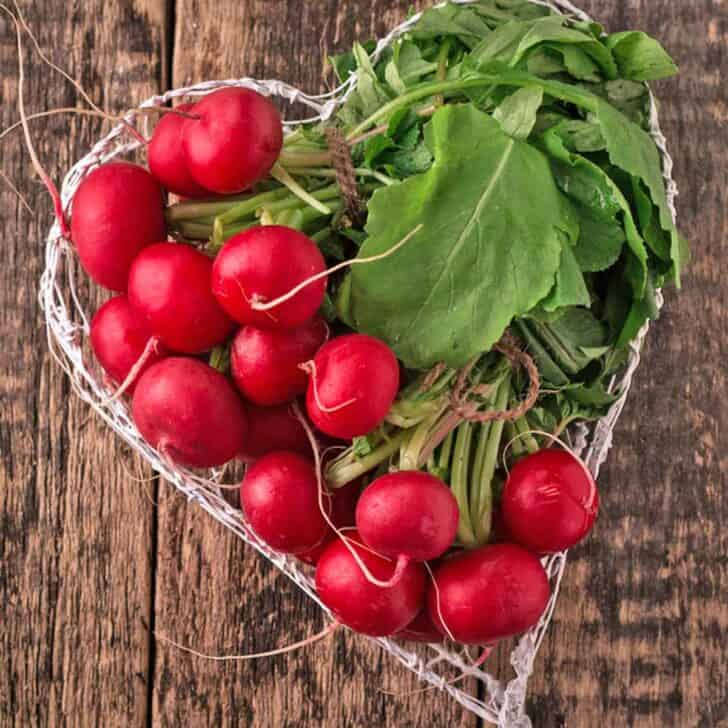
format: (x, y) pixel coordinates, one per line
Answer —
(47, 181)
(260, 305)
(325, 632)
(152, 347)
(385, 584)
(310, 368)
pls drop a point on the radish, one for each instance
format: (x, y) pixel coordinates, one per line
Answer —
(279, 496)
(169, 285)
(550, 501)
(190, 413)
(408, 516)
(266, 362)
(482, 596)
(234, 142)
(420, 629)
(117, 211)
(167, 160)
(122, 342)
(274, 428)
(353, 382)
(356, 601)
(265, 262)
(343, 508)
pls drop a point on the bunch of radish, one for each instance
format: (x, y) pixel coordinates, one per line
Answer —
(385, 551)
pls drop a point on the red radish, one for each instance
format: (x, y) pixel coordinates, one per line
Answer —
(263, 263)
(408, 516)
(421, 629)
(121, 341)
(167, 160)
(266, 362)
(359, 604)
(190, 412)
(353, 382)
(550, 501)
(279, 496)
(169, 285)
(343, 507)
(235, 141)
(482, 596)
(274, 428)
(117, 211)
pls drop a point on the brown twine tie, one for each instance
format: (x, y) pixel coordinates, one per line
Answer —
(508, 346)
(345, 174)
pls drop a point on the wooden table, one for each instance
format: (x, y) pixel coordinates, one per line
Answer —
(93, 560)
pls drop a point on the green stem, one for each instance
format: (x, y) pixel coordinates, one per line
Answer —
(514, 78)
(326, 193)
(410, 457)
(343, 471)
(478, 463)
(248, 206)
(214, 245)
(321, 235)
(459, 482)
(193, 210)
(441, 74)
(483, 517)
(524, 431)
(220, 359)
(291, 159)
(281, 174)
(446, 450)
(360, 171)
(516, 447)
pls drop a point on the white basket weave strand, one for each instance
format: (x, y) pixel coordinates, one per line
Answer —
(67, 326)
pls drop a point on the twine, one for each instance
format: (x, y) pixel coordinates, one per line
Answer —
(468, 410)
(345, 174)
(502, 703)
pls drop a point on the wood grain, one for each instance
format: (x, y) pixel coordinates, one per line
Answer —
(87, 565)
(640, 631)
(212, 591)
(75, 533)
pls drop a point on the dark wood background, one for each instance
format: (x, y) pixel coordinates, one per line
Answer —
(91, 560)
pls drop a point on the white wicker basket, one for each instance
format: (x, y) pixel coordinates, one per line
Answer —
(67, 324)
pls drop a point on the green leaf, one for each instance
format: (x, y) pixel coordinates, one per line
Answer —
(600, 241)
(344, 64)
(544, 62)
(553, 30)
(374, 147)
(633, 150)
(581, 136)
(517, 114)
(460, 21)
(481, 258)
(594, 190)
(569, 338)
(640, 57)
(513, 42)
(407, 66)
(406, 163)
(570, 288)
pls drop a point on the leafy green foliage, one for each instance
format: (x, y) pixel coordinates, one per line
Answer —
(539, 189)
(482, 257)
(639, 57)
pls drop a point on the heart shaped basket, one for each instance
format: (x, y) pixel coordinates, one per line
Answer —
(503, 703)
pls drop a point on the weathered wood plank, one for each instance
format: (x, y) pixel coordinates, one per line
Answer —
(75, 533)
(213, 592)
(639, 634)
